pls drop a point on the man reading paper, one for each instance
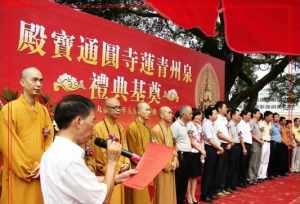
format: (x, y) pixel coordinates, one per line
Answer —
(65, 178)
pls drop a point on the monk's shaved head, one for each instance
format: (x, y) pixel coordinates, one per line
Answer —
(31, 81)
(166, 114)
(113, 108)
(163, 110)
(143, 110)
(109, 102)
(141, 106)
(30, 71)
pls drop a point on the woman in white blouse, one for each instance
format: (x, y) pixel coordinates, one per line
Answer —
(198, 153)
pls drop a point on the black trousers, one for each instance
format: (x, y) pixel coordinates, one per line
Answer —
(182, 175)
(275, 161)
(244, 164)
(209, 172)
(221, 169)
(284, 159)
(234, 155)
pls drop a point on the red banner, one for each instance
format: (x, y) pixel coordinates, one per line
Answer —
(268, 26)
(83, 54)
(251, 26)
(189, 14)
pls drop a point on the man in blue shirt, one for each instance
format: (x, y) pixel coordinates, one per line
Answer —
(275, 155)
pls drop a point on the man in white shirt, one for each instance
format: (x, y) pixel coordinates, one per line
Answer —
(221, 125)
(265, 128)
(213, 150)
(65, 178)
(184, 148)
(244, 130)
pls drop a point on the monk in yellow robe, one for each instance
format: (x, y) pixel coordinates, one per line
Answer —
(138, 137)
(1, 167)
(165, 181)
(110, 126)
(26, 131)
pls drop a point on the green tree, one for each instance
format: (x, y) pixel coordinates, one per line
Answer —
(286, 87)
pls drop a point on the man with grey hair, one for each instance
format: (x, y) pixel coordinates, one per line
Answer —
(184, 148)
(165, 181)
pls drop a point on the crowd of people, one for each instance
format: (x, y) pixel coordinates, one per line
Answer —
(227, 148)
(246, 148)
(234, 148)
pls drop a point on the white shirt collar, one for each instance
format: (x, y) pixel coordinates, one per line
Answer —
(208, 121)
(181, 122)
(76, 149)
(222, 117)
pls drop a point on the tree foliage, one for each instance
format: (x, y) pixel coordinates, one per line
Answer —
(286, 88)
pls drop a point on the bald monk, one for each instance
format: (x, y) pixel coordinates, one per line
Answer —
(26, 132)
(110, 126)
(138, 137)
(165, 181)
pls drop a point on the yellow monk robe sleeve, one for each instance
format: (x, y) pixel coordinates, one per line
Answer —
(157, 137)
(100, 153)
(125, 146)
(49, 125)
(133, 140)
(89, 157)
(175, 156)
(11, 146)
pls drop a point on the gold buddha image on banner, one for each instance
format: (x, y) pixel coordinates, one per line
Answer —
(207, 90)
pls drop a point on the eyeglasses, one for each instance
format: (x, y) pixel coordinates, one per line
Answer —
(115, 107)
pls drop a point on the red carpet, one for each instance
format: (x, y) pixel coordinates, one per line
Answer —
(283, 190)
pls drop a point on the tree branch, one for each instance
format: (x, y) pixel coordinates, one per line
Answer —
(246, 78)
(232, 70)
(274, 72)
(262, 61)
(251, 103)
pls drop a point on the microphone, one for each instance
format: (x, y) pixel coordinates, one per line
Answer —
(132, 156)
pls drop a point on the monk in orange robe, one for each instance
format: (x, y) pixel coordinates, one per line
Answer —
(138, 138)
(165, 181)
(26, 131)
(110, 126)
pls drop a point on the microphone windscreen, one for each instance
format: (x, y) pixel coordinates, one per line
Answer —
(100, 142)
